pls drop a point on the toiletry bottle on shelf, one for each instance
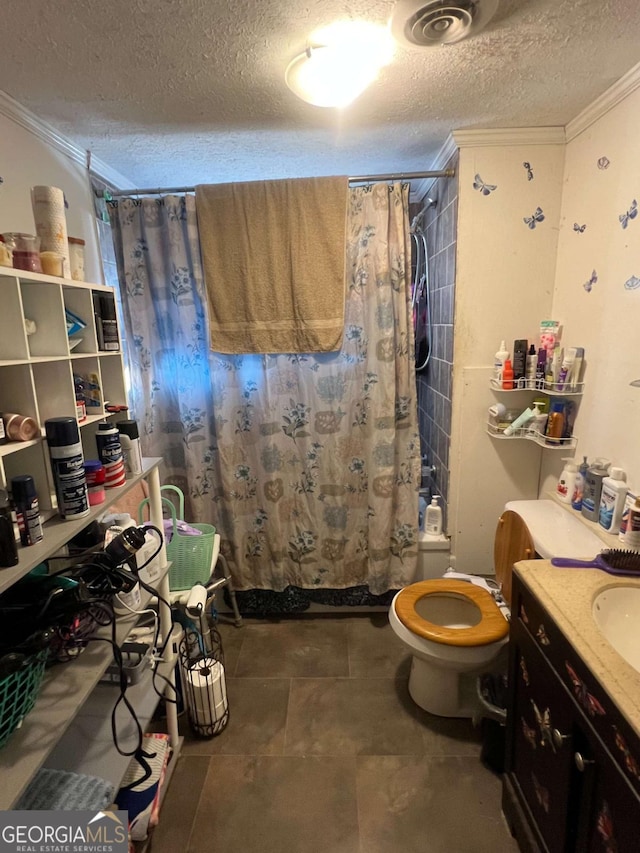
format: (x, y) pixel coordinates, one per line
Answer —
(8, 548)
(566, 369)
(538, 422)
(574, 379)
(507, 376)
(519, 362)
(25, 502)
(520, 422)
(433, 518)
(555, 423)
(578, 487)
(596, 473)
(612, 497)
(530, 370)
(541, 367)
(632, 535)
(501, 356)
(567, 481)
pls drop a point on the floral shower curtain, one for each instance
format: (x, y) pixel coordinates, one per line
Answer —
(308, 465)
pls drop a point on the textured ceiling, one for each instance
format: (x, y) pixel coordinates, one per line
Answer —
(173, 92)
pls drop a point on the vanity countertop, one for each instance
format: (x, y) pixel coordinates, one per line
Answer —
(567, 595)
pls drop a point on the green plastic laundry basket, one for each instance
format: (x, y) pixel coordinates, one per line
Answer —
(190, 556)
(18, 693)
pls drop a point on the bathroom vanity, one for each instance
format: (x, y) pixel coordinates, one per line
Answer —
(572, 779)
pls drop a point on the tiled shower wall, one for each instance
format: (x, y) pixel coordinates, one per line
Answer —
(434, 383)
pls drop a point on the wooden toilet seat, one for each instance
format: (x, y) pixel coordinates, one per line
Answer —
(491, 628)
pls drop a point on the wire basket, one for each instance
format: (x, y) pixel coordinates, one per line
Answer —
(204, 686)
(190, 556)
(18, 692)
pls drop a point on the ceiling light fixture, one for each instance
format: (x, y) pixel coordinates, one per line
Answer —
(341, 61)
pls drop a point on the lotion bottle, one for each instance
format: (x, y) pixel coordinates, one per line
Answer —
(567, 482)
(612, 497)
(578, 488)
(593, 487)
(433, 518)
(632, 536)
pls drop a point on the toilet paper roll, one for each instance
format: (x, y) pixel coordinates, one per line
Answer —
(207, 688)
(51, 223)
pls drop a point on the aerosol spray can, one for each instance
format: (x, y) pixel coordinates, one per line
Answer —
(130, 441)
(67, 466)
(8, 548)
(110, 454)
(25, 502)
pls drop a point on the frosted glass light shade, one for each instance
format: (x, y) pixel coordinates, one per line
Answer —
(330, 76)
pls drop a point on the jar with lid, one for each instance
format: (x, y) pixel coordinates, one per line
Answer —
(26, 251)
(76, 258)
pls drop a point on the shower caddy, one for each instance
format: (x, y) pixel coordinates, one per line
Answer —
(69, 726)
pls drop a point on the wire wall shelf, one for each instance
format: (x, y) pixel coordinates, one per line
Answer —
(533, 435)
(561, 389)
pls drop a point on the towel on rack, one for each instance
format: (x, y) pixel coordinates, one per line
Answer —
(274, 264)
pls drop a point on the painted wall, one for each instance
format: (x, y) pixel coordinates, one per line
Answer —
(26, 161)
(601, 192)
(506, 259)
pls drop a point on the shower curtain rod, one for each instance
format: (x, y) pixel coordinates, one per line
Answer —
(358, 179)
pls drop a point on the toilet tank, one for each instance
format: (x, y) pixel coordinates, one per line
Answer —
(434, 556)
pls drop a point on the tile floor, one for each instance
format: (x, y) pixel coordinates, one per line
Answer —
(325, 752)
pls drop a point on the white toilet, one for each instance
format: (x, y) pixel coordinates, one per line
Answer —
(457, 626)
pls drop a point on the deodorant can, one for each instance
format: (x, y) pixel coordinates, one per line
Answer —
(25, 502)
(8, 548)
(67, 466)
(110, 454)
(130, 441)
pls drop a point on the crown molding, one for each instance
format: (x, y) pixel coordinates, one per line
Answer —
(20, 115)
(621, 89)
(509, 136)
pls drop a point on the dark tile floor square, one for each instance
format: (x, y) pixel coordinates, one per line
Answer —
(325, 752)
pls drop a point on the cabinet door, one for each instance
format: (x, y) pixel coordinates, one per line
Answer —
(541, 757)
(609, 808)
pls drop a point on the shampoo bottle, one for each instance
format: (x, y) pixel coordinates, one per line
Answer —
(501, 356)
(612, 497)
(507, 376)
(555, 423)
(519, 361)
(433, 518)
(578, 489)
(632, 536)
(593, 487)
(567, 481)
(532, 363)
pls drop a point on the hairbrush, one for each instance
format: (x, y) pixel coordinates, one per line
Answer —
(616, 561)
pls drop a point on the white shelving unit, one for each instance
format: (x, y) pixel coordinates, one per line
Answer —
(527, 387)
(70, 726)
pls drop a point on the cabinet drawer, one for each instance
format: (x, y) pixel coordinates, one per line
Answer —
(597, 710)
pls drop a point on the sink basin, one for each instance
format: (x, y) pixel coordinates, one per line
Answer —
(616, 612)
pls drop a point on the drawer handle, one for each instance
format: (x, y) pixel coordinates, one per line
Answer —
(582, 763)
(558, 738)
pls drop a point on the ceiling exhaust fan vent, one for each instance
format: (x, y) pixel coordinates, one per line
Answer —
(437, 22)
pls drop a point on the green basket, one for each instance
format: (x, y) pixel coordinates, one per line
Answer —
(18, 693)
(190, 556)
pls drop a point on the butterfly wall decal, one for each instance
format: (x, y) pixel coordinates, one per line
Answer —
(543, 719)
(541, 634)
(630, 762)
(527, 166)
(529, 733)
(532, 221)
(603, 163)
(579, 228)
(632, 283)
(586, 699)
(625, 218)
(605, 828)
(589, 284)
(485, 189)
(542, 794)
